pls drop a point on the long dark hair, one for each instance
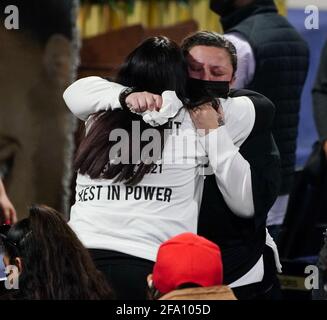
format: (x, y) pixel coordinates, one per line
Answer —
(55, 265)
(156, 65)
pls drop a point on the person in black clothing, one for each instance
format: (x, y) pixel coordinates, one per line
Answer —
(319, 95)
(273, 60)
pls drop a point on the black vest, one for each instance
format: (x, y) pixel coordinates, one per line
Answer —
(282, 59)
(242, 240)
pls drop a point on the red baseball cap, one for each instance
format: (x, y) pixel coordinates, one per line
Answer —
(187, 258)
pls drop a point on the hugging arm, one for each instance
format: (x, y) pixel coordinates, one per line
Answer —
(89, 95)
(232, 170)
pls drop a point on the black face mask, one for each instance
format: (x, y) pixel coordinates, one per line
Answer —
(222, 7)
(202, 91)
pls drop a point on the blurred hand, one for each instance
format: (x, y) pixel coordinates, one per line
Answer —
(7, 211)
(142, 101)
(207, 118)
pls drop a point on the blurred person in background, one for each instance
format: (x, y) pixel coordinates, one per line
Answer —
(319, 94)
(37, 62)
(51, 262)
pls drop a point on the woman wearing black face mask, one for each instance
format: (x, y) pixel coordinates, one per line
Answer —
(246, 247)
(236, 199)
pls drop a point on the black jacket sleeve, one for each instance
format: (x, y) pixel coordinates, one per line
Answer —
(261, 151)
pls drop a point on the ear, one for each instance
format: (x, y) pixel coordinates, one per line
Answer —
(149, 280)
(232, 82)
(19, 264)
(58, 60)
